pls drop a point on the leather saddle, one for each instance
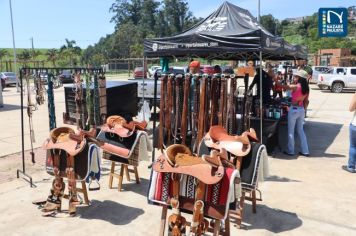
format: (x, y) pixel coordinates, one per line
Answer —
(64, 138)
(219, 139)
(177, 158)
(118, 125)
(117, 136)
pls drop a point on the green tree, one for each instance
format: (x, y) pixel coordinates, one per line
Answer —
(35, 54)
(3, 53)
(148, 18)
(69, 50)
(177, 14)
(52, 56)
(127, 35)
(271, 24)
(25, 56)
(125, 11)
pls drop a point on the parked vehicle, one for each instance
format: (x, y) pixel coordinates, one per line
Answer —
(345, 77)
(9, 78)
(138, 73)
(146, 87)
(207, 69)
(152, 70)
(321, 70)
(173, 70)
(44, 77)
(66, 77)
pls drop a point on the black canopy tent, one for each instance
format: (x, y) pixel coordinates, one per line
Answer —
(229, 33)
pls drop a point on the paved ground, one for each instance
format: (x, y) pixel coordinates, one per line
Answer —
(303, 196)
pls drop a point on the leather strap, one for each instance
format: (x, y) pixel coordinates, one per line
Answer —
(161, 112)
(214, 100)
(222, 110)
(196, 93)
(178, 107)
(201, 115)
(169, 106)
(185, 117)
(198, 212)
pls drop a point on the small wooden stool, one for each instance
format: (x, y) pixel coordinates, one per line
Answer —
(124, 168)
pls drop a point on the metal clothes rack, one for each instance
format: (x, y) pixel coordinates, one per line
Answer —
(37, 71)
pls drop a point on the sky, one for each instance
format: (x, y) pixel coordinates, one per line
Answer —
(50, 22)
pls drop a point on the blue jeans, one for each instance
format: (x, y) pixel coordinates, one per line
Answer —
(296, 121)
(352, 151)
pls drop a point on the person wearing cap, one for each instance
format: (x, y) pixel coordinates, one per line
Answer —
(194, 67)
(296, 114)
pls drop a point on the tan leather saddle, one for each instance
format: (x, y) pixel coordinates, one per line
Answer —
(116, 128)
(118, 125)
(219, 139)
(64, 138)
(179, 159)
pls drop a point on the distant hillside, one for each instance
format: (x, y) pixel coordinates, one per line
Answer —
(304, 30)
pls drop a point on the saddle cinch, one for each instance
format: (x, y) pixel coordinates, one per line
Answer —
(117, 136)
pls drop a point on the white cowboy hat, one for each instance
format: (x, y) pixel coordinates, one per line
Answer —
(301, 73)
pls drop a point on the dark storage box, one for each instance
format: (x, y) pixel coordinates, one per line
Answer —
(121, 99)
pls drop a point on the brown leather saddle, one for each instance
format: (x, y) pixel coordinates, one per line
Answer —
(118, 125)
(177, 158)
(117, 135)
(64, 138)
(219, 139)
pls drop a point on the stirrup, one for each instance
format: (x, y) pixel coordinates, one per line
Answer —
(176, 224)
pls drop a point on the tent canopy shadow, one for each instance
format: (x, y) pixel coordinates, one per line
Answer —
(273, 220)
(110, 211)
(320, 136)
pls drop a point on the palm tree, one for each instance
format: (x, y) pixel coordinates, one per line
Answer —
(52, 55)
(3, 53)
(69, 50)
(25, 56)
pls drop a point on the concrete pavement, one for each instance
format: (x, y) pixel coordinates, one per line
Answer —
(302, 196)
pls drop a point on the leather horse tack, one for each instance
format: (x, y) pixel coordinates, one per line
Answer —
(64, 139)
(176, 159)
(218, 138)
(117, 135)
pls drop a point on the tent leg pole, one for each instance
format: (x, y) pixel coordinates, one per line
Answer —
(154, 113)
(261, 100)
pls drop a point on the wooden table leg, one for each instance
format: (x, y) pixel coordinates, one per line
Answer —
(136, 175)
(127, 172)
(111, 176)
(254, 201)
(227, 226)
(121, 176)
(85, 192)
(163, 221)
